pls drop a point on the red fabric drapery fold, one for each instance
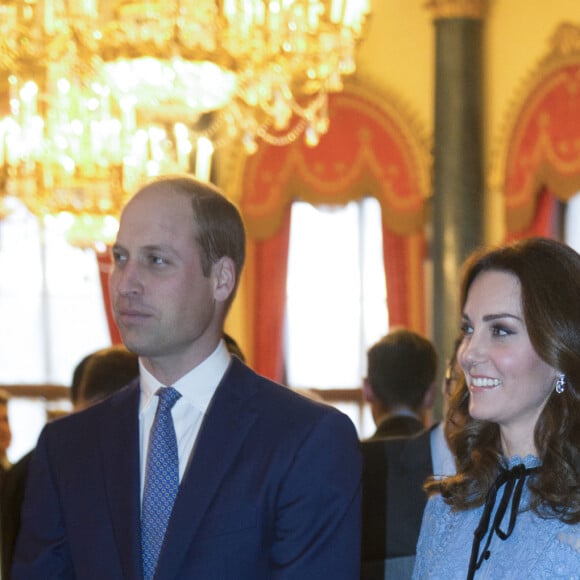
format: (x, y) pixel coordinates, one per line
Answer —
(105, 263)
(270, 270)
(403, 258)
(543, 221)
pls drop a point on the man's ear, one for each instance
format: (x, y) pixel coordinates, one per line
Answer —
(368, 394)
(224, 275)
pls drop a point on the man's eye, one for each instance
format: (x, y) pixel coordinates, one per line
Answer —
(158, 260)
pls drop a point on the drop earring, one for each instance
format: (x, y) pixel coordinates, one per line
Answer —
(561, 383)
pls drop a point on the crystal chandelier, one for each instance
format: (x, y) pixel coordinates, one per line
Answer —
(98, 95)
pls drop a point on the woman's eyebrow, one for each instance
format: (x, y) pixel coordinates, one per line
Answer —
(491, 317)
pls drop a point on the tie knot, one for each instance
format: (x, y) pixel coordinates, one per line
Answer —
(168, 396)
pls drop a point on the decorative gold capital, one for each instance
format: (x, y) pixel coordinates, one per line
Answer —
(444, 9)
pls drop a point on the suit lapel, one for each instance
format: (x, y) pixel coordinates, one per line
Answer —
(119, 437)
(221, 436)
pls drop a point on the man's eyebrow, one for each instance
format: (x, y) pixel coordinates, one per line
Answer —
(146, 248)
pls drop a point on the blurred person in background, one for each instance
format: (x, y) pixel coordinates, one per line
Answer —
(96, 376)
(5, 436)
(400, 382)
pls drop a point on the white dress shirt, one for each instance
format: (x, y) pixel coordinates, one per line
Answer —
(197, 388)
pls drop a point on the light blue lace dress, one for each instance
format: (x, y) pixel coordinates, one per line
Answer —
(537, 549)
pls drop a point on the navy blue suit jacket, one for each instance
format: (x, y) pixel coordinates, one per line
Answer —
(272, 491)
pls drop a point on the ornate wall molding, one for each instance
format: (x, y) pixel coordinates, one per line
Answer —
(540, 142)
(565, 42)
(446, 9)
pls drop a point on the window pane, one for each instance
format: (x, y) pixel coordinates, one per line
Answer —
(336, 298)
(572, 227)
(50, 302)
(52, 314)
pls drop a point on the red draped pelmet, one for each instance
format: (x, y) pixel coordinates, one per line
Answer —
(542, 163)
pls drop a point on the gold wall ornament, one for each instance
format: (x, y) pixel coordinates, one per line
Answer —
(445, 9)
(565, 41)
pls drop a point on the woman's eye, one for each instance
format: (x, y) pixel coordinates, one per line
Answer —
(500, 331)
(466, 329)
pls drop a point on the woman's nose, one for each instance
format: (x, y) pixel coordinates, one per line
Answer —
(472, 352)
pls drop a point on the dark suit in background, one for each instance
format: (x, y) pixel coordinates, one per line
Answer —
(95, 377)
(11, 504)
(394, 471)
(398, 426)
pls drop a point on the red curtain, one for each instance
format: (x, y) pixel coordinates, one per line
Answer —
(543, 222)
(403, 258)
(270, 269)
(105, 265)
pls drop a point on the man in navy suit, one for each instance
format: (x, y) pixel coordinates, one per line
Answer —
(269, 481)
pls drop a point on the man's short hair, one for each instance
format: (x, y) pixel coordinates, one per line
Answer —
(401, 368)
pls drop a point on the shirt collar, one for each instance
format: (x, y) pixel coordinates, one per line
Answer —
(197, 386)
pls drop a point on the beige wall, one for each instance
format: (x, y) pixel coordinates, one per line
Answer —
(397, 54)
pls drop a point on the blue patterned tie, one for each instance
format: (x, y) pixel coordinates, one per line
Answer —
(161, 480)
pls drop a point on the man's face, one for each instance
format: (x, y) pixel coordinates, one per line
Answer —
(165, 307)
(5, 433)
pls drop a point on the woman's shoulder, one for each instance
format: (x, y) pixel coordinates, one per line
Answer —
(548, 546)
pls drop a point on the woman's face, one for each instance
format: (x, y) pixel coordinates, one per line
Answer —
(508, 382)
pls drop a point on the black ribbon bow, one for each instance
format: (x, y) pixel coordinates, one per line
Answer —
(514, 480)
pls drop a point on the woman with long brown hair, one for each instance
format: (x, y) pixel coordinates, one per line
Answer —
(513, 508)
